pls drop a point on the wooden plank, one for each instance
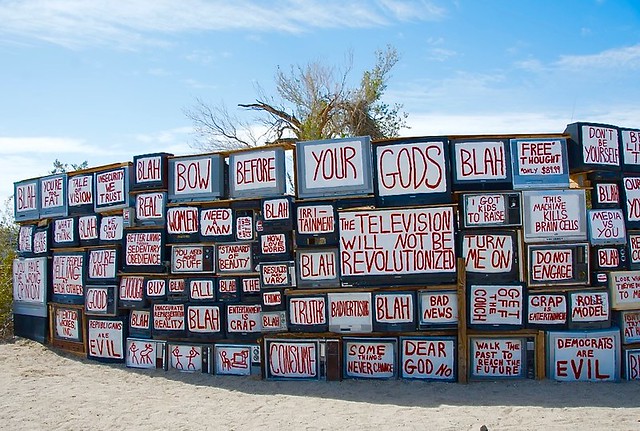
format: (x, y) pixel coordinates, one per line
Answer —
(463, 341)
(540, 358)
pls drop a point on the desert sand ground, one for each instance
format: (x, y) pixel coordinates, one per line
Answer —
(47, 389)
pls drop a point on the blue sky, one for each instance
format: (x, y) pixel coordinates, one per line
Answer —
(103, 81)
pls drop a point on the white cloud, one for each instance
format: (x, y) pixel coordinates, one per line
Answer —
(79, 23)
(626, 57)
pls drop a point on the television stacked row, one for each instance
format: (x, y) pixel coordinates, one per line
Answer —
(206, 263)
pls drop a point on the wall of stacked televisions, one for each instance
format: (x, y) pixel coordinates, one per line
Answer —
(449, 258)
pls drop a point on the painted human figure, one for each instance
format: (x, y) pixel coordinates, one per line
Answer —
(192, 354)
(176, 354)
(145, 355)
(133, 349)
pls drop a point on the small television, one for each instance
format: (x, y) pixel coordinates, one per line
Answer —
(631, 197)
(274, 321)
(216, 224)
(131, 292)
(606, 226)
(370, 358)
(192, 258)
(277, 275)
(334, 167)
(316, 224)
(244, 225)
(156, 288)
(394, 311)
(273, 300)
(307, 313)
(428, 358)
(275, 246)
(540, 163)
(53, 196)
(490, 209)
(350, 312)
(589, 309)
(101, 300)
(151, 208)
(481, 164)
(490, 255)
(250, 288)
(437, 309)
(317, 267)
(177, 289)
(554, 215)
(106, 338)
(503, 358)
(182, 224)
(68, 275)
(412, 171)
(496, 307)
(629, 323)
(606, 258)
(547, 310)
(196, 178)
(80, 194)
(25, 239)
(168, 320)
(630, 149)
(234, 258)
(112, 189)
(244, 320)
(565, 264)
(26, 201)
(144, 250)
(150, 171)
(89, 229)
(228, 289)
(103, 264)
(257, 173)
(605, 194)
(201, 289)
(42, 240)
(292, 359)
(145, 353)
(277, 214)
(65, 232)
(593, 146)
(624, 290)
(205, 320)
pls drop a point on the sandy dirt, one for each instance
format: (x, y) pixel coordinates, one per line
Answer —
(43, 388)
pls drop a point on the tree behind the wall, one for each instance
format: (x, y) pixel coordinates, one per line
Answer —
(312, 102)
(8, 242)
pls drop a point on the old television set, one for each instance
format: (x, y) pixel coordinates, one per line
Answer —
(177, 289)
(490, 209)
(149, 354)
(89, 229)
(244, 321)
(156, 288)
(629, 323)
(80, 194)
(65, 232)
(140, 323)
(103, 264)
(236, 359)
(101, 300)
(244, 225)
(106, 338)
(275, 367)
(307, 313)
(490, 255)
(428, 358)
(633, 243)
(593, 146)
(412, 171)
(275, 246)
(317, 268)
(228, 289)
(31, 278)
(394, 311)
(67, 327)
(201, 289)
(316, 224)
(144, 250)
(250, 288)
(150, 171)
(151, 208)
(131, 292)
(369, 358)
(495, 306)
(206, 320)
(630, 149)
(189, 357)
(631, 198)
(217, 224)
(606, 258)
(606, 226)
(589, 309)
(540, 162)
(605, 194)
(53, 196)
(196, 178)
(517, 363)
(350, 312)
(480, 164)
(42, 240)
(234, 258)
(192, 258)
(68, 277)
(26, 202)
(169, 320)
(257, 173)
(274, 321)
(273, 300)
(389, 247)
(25, 239)
(554, 215)
(277, 275)
(182, 224)
(334, 167)
(112, 188)
(437, 309)
(277, 214)
(547, 310)
(558, 264)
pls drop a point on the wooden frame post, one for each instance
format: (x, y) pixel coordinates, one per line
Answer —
(463, 341)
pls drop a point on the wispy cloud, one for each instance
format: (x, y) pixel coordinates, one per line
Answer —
(46, 145)
(625, 57)
(79, 23)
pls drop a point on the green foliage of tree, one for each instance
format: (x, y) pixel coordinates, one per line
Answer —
(60, 168)
(311, 102)
(8, 243)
